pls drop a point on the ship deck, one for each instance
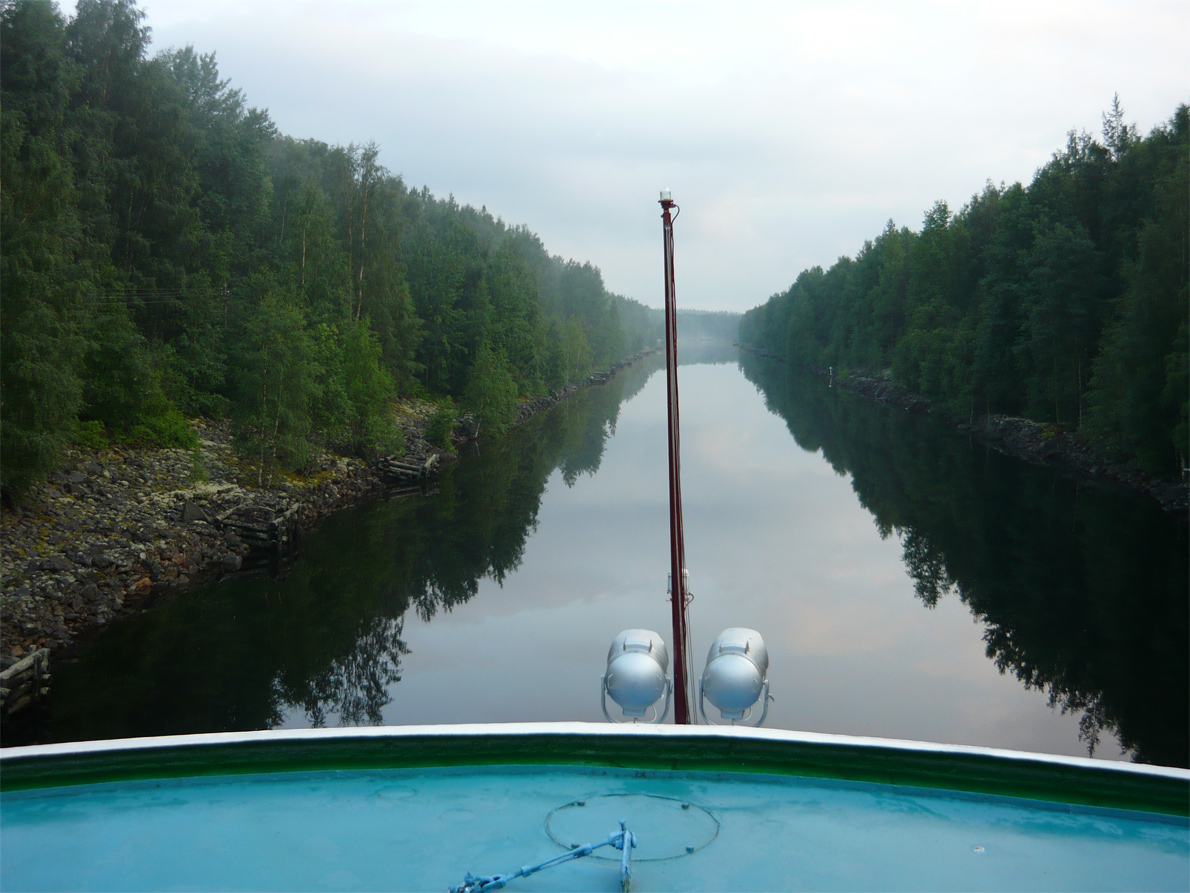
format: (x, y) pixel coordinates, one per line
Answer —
(423, 827)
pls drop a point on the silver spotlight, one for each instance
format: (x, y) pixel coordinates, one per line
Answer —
(736, 676)
(636, 678)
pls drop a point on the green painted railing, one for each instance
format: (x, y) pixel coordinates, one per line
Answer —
(952, 770)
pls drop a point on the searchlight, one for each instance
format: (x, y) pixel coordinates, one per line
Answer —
(736, 676)
(636, 678)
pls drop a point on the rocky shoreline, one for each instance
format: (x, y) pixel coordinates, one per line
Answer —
(1035, 442)
(1020, 438)
(113, 530)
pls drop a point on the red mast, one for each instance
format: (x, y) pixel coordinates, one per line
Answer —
(677, 544)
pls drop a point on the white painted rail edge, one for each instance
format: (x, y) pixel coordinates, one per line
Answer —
(512, 730)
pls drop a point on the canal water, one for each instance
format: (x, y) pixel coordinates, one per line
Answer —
(909, 583)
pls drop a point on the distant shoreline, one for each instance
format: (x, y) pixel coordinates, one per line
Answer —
(1020, 438)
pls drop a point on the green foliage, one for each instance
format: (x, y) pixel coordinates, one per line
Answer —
(392, 442)
(1176, 396)
(123, 385)
(369, 389)
(152, 219)
(442, 425)
(1066, 300)
(554, 361)
(355, 394)
(40, 392)
(168, 429)
(516, 321)
(328, 407)
(576, 352)
(491, 391)
(91, 436)
(41, 278)
(1140, 393)
(276, 385)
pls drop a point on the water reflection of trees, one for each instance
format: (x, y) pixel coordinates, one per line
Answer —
(1082, 589)
(325, 639)
(430, 554)
(354, 687)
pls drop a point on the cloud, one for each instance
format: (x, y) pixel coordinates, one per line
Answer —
(789, 133)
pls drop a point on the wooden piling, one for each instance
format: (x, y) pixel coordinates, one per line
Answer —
(25, 681)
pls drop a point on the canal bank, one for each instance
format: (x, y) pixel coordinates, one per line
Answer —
(113, 530)
(1020, 438)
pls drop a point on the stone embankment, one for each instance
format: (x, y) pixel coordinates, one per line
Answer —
(113, 529)
(1032, 441)
(1020, 438)
(528, 409)
(1035, 442)
(880, 388)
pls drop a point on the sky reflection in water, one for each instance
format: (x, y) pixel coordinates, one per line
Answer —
(776, 541)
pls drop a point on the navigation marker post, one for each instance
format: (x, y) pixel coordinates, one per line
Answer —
(677, 545)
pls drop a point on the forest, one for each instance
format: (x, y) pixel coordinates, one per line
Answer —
(168, 254)
(1065, 301)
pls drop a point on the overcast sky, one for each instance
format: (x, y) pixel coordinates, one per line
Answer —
(788, 132)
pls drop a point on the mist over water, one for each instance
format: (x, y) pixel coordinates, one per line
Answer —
(908, 582)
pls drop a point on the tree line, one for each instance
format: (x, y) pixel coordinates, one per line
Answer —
(168, 253)
(1065, 301)
(707, 325)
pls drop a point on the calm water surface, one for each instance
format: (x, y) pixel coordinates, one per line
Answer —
(908, 583)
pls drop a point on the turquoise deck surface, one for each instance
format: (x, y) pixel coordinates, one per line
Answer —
(417, 829)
